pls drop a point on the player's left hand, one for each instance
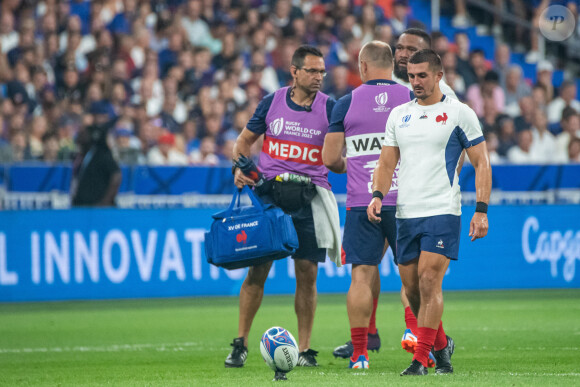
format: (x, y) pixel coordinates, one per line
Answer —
(478, 226)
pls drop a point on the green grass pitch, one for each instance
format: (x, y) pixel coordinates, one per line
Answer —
(503, 338)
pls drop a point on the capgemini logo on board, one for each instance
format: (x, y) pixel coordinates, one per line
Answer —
(551, 246)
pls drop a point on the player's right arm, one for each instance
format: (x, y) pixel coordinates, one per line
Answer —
(383, 174)
(382, 178)
(332, 152)
(254, 129)
(242, 147)
(334, 141)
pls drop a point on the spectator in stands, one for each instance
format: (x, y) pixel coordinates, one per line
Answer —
(544, 142)
(502, 63)
(540, 97)
(263, 74)
(474, 71)
(124, 152)
(506, 134)
(25, 44)
(463, 49)
(283, 15)
(401, 20)
(197, 29)
(567, 98)
(190, 137)
(515, 88)
(66, 131)
(38, 129)
(339, 85)
(8, 36)
(450, 75)
(165, 153)
(460, 19)
(367, 22)
(521, 153)
(228, 53)
(122, 21)
(574, 150)
(206, 154)
(544, 75)
(440, 43)
(226, 150)
(490, 116)
(18, 143)
(169, 56)
(50, 147)
(570, 130)
(492, 144)
(487, 89)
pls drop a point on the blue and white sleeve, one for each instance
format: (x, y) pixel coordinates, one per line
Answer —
(390, 135)
(470, 126)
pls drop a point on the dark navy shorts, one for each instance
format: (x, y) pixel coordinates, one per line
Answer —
(304, 224)
(436, 234)
(363, 241)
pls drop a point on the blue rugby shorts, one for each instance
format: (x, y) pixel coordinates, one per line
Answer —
(363, 241)
(436, 234)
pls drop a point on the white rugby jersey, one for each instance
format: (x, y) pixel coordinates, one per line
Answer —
(430, 140)
(444, 87)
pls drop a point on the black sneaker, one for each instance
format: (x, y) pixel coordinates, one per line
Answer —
(415, 369)
(237, 358)
(374, 342)
(307, 358)
(347, 350)
(443, 358)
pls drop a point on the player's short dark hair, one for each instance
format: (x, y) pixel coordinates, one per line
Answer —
(302, 52)
(420, 33)
(429, 56)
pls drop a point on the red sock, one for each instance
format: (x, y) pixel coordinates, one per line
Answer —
(359, 341)
(372, 323)
(410, 320)
(441, 339)
(425, 339)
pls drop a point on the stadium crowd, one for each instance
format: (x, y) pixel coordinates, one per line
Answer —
(183, 77)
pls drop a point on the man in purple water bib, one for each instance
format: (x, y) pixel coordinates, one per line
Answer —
(293, 122)
(358, 122)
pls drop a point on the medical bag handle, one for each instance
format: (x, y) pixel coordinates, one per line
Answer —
(256, 201)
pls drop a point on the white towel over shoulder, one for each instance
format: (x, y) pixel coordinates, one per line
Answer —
(327, 224)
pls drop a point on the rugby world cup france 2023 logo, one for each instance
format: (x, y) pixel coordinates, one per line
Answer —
(276, 126)
(381, 100)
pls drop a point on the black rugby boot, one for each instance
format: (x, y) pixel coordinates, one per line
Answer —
(443, 358)
(415, 369)
(237, 358)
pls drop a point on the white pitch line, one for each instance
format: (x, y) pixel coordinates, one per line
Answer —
(162, 347)
(542, 374)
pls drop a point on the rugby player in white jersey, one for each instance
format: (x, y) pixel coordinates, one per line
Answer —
(429, 134)
(410, 41)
